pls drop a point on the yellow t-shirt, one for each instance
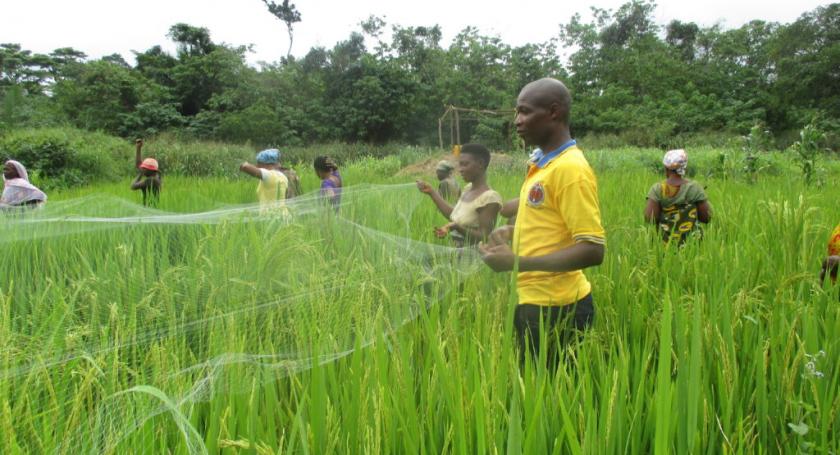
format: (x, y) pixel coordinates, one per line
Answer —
(271, 190)
(558, 207)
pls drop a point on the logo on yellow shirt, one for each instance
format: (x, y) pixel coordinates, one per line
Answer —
(536, 195)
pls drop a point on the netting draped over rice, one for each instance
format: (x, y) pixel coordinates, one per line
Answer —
(121, 313)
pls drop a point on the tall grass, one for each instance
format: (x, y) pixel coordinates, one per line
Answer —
(319, 336)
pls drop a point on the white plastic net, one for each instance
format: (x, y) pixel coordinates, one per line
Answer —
(114, 314)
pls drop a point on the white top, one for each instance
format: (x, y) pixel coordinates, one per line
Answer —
(466, 213)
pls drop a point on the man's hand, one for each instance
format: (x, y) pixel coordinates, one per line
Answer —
(138, 142)
(500, 258)
(500, 236)
(424, 187)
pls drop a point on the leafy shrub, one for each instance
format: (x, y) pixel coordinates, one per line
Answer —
(67, 156)
(149, 119)
(258, 124)
(493, 132)
(808, 150)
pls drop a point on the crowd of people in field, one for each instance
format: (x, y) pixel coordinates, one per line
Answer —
(553, 231)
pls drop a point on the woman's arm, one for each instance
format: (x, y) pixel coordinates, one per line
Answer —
(704, 212)
(486, 222)
(652, 211)
(139, 183)
(829, 267)
(510, 208)
(138, 145)
(251, 170)
(443, 207)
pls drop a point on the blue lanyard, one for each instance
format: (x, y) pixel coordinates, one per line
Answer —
(547, 157)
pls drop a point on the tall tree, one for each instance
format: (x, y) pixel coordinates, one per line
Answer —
(20, 66)
(191, 41)
(288, 14)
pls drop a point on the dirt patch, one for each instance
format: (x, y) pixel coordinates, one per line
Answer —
(498, 161)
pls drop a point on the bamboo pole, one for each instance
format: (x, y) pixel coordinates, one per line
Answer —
(440, 133)
(457, 127)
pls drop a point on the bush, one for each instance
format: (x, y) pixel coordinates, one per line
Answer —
(257, 124)
(493, 132)
(67, 156)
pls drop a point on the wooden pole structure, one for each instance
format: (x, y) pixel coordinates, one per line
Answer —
(457, 127)
(440, 132)
(455, 121)
(451, 129)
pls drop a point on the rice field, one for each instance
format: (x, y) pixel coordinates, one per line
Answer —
(203, 327)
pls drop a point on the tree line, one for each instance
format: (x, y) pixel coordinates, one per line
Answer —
(646, 83)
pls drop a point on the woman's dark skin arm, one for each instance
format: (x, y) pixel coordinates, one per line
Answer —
(652, 211)
(139, 182)
(486, 222)
(251, 170)
(138, 145)
(510, 208)
(829, 267)
(443, 207)
(150, 181)
(704, 212)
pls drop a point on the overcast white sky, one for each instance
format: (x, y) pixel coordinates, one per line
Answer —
(102, 27)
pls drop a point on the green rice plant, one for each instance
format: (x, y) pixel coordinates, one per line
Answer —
(808, 149)
(362, 333)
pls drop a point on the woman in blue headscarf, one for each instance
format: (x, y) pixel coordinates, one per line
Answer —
(271, 190)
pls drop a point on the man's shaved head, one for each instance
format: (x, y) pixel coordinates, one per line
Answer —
(548, 93)
(543, 113)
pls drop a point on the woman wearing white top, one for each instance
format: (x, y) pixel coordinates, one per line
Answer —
(17, 190)
(474, 216)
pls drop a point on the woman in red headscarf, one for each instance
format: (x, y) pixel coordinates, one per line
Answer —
(148, 177)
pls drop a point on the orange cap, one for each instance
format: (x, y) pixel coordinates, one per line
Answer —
(150, 164)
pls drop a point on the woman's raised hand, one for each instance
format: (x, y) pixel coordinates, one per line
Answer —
(424, 187)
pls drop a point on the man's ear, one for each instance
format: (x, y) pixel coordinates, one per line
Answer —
(555, 111)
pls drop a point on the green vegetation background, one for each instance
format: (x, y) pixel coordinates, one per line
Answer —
(635, 82)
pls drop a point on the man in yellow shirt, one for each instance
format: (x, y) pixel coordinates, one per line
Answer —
(271, 190)
(558, 230)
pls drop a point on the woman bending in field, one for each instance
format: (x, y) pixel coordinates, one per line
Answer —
(149, 178)
(17, 191)
(331, 182)
(474, 215)
(677, 205)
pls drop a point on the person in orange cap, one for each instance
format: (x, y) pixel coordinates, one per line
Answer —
(148, 177)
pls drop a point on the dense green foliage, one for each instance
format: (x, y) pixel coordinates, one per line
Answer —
(58, 157)
(65, 157)
(645, 83)
(724, 346)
